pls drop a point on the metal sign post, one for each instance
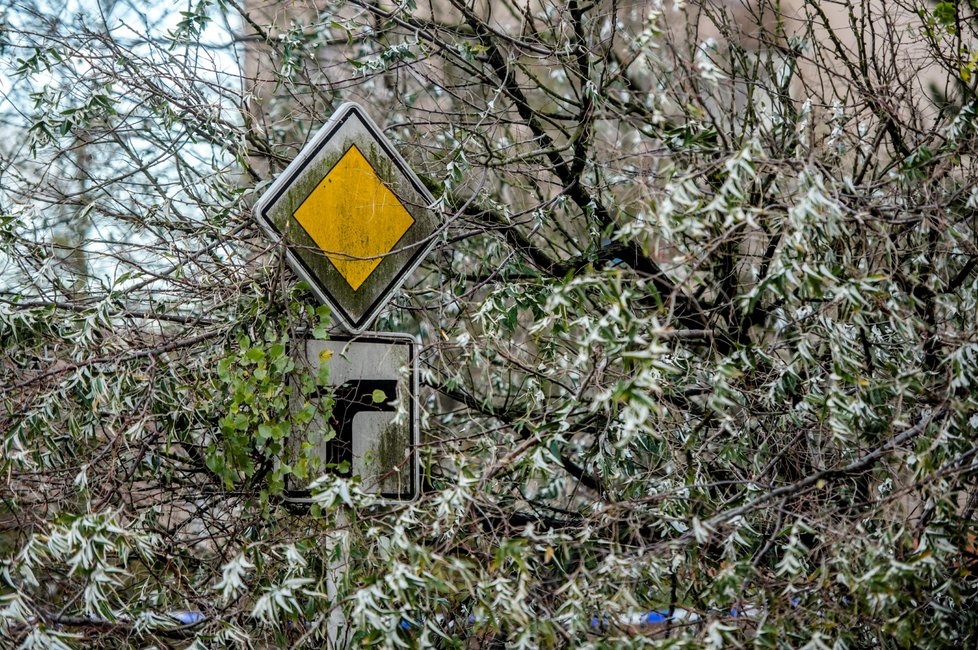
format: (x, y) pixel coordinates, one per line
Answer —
(355, 222)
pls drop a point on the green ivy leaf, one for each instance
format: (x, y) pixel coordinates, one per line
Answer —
(946, 13)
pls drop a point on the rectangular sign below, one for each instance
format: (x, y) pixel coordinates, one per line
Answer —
(373, 426)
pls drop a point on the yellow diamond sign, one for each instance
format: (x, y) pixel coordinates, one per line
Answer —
(354, 218)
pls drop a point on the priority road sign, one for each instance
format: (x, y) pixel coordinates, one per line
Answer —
(355, 219)
(373, 425)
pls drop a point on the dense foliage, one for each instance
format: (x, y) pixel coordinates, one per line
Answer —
(699, 336)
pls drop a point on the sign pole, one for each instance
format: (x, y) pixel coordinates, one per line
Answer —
(337, 627)
(356, 221)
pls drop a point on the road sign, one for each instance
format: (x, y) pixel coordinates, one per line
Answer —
(374, 385)
(354, 218)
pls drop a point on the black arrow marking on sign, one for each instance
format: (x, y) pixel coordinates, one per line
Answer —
(351, 398)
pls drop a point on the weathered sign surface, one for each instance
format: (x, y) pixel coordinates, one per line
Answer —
(374, 386)
(353, 216)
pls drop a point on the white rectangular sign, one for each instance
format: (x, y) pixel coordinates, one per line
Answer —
(373, 426)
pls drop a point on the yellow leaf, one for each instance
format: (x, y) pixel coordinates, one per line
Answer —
(548, 554)
(325, 355)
